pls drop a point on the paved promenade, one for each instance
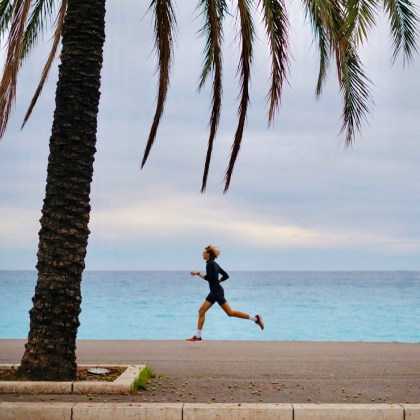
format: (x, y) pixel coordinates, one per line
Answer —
(379, 371)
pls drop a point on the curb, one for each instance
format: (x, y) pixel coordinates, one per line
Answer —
(186, 411)
(120, 386)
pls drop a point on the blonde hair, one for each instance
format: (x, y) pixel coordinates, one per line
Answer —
(213, 251)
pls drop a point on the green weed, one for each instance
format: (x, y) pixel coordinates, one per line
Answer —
(140, 383)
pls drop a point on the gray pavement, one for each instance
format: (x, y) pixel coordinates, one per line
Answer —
(284, 371)
(247, 359)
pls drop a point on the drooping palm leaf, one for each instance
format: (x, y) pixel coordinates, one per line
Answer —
(319, 18)
(324, 60)
(246, 35)
(405, 23)
(164, 28)
(277, 28)
(53, 52)
(214, 12)
(11, 67)
(354, 83)
(42, 11)
(360, 18)
(6, 13)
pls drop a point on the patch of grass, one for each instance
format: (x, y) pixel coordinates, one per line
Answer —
(140, 383)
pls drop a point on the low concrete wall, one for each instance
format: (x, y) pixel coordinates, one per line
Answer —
(348, 412)
(179, 411)
(120, 386)
(238, 412)
(42, 387)
(36, 411)
(124, 411)
(411, 411)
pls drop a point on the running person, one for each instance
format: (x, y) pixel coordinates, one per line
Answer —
(217, 293)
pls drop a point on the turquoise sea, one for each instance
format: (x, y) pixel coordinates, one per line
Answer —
(312, 306)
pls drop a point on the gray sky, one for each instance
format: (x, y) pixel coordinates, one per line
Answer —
(298, 200)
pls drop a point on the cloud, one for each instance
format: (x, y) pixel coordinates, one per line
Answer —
(294, 188)
(180, 219)
(19, 227)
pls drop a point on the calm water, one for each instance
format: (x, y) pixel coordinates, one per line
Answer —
(314, 306)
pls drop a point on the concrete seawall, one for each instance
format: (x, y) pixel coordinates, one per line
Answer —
(91, 411)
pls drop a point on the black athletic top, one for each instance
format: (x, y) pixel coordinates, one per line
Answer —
(212, 276)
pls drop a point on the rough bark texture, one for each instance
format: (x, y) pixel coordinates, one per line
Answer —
(50, 351)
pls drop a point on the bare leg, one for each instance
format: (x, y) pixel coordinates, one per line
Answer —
(238, 314)
(202, 313)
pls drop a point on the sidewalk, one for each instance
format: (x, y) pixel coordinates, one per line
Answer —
(253, 371)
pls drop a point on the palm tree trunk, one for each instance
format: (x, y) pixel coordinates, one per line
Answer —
(50, 350)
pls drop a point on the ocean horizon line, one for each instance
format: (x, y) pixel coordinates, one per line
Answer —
(236, 270)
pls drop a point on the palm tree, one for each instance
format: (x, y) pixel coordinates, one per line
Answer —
(339, 27)
(50, 350)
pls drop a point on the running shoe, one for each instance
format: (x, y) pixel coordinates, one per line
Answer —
(259, 321)
(194, 339)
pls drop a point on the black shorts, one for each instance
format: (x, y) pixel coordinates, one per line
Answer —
(216, 297)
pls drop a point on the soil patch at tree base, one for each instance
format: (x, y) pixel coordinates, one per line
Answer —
(82, 374)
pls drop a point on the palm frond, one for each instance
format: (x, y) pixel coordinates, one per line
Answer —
(53, 52)
(246, 34)
(164, 28)
(6, 13)
(11, 66)
(356, 92)
(320, 19)
(404, 26)
(354, 83)
(41, 11)
(277, 28)
(214, 12)
(324, 62)
(360, 18)
(329, 18)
